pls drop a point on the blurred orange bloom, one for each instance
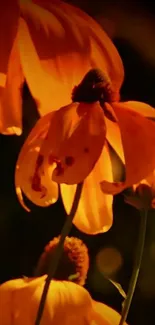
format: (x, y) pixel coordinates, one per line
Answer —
(142, 194)
(67, 301)
(74, 144)
(50, 45)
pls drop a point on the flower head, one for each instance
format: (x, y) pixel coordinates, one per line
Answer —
(49, 45)
(66, 301)
(74, 261)
(76, 142)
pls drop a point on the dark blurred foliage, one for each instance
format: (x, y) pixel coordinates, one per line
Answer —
(23, 235)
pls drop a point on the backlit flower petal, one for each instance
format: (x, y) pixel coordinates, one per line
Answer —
(94, 213)
(29, 176)
(8, 31)
(54, 51)
(138, 138)
(8, 28)
(105, 315)
(74, 141)
(103, 53)
(11, 98)
(141, 108)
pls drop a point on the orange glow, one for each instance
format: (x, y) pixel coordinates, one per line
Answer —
(50, 46)
(109, 261)
(19, 300)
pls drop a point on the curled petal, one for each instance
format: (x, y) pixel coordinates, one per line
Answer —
(138, 139)
(54, 50)
(29, 176)
(141, 108)
(94, 213)
(74, 142)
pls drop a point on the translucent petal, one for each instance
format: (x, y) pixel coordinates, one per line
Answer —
(94, 213)
(138, 138)
(74, 142)
(9, 98)
(103, 53)
(53, 50)
(29, 175)
(141, 108)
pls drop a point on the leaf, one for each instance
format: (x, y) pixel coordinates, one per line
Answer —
(117, 286)
(73, 276)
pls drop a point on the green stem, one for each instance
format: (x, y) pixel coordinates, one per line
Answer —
(136, 269)
(58, 252)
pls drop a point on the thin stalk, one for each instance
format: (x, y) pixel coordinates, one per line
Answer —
(136, 269)
(58, 252)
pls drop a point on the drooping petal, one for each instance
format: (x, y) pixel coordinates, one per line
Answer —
(54, 51)
(138, 138)
(29, 176)
(8, 97)
(94, 213)
(74, 142)
(105, 315)
(11, 98)
(141, 108)
(103, 53)
(8, 28)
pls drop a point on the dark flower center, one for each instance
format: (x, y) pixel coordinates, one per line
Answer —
(95, 86)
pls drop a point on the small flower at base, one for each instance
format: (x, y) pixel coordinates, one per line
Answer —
(74, 263)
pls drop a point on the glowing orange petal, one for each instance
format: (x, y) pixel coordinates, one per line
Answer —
(75, 140)
(138, 138)
(10, 121)
(8, 28)
(62, 296)
(105, 315)
(103, 53)
(54, 50)
(11, 100)
(29, 179)
(141, 108)
(94, 212)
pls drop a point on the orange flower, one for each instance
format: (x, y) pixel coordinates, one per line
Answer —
(142, 194)
(67, 301)
(50, 45)
(74, 144)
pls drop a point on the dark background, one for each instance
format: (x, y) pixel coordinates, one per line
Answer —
(23, 236)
